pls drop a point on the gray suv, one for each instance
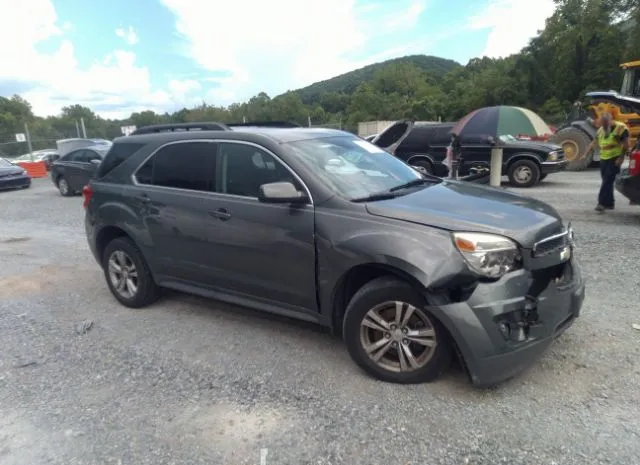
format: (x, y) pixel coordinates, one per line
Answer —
(323, 226)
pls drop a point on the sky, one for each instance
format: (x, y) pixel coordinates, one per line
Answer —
(121, 56)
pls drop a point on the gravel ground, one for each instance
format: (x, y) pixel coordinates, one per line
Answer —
(190, 381)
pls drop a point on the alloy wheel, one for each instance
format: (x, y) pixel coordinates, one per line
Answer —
(398, 337)
(63, 185)
(123, 274)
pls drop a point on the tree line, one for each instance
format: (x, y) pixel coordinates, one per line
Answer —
(579, 50)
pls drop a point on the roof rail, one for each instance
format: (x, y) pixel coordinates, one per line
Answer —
(266, 124)
(174, 127)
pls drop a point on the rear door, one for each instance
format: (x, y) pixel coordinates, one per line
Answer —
(476, 152)
(71, 167)
(87, 167)
(172, 196)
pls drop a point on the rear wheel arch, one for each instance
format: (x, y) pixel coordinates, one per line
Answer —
(106, 235)
(420, 157)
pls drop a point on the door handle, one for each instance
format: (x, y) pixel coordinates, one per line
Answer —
(144, 198)
(221, 213)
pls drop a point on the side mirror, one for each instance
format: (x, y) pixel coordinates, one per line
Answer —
(281, 192)
(96, 161)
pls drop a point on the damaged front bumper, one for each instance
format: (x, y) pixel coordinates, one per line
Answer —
(504, 326)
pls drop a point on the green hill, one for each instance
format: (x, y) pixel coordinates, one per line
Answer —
(348, 82)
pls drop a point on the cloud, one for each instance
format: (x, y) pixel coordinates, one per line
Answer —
(113, 86)
(407, 18)
(512, 23)
(129, 35)
(281, 44)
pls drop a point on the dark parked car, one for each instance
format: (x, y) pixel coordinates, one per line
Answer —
(424, 146)
(13, 176)
(410, 269)
(71, 172)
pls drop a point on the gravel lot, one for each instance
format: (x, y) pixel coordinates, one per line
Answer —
(193, 381)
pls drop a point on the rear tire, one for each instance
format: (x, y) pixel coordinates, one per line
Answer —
(417, 350)
(574, 142)
(524, 173)
(424, 166)
(128, 275)
(63, 187)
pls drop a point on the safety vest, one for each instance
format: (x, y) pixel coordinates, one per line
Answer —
(610, 146)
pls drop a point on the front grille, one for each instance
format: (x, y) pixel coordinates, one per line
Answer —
(552, 243)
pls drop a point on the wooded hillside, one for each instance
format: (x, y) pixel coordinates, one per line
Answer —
(579, 50)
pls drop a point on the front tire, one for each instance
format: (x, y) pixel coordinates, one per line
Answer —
(524, 173)
(392, 337)
(128, 275)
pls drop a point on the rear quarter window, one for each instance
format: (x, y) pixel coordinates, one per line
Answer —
(118, 153)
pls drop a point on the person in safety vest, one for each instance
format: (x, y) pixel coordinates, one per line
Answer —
(613, 140)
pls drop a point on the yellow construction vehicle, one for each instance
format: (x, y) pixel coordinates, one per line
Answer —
(579, 130)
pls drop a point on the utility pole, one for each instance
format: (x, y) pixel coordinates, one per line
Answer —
(309, 119)
(84, 131)
(28, 137)
(77, 129)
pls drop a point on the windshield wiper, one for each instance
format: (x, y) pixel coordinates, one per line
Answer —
(415, 182)
(378, 196)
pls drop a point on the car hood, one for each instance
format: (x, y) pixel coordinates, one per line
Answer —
(462, 206)
(533, 145)
(9, 170)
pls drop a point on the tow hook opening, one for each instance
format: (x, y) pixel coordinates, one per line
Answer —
(515, 326)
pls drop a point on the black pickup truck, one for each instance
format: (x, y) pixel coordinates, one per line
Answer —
(424, 146)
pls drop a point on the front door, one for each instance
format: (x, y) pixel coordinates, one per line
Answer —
(263, 251)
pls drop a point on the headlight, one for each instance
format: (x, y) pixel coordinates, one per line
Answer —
(488, 255)
(552, 156)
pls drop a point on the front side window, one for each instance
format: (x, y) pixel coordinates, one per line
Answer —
(243, 168)
(352, 167)
(187, 165)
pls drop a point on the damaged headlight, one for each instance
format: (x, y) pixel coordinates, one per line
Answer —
(488, 255)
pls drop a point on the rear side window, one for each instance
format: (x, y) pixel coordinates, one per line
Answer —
(187, 165)
(76, 155)
(118, 153)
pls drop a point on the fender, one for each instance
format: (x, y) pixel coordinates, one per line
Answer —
(424, 254)
(126, 219)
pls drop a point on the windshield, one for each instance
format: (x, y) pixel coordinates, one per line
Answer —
(353, 167)
(5, 163)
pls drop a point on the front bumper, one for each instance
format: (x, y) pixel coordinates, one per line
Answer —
(490, 353)
(549, 167)
(629, 186)
(14, 182)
